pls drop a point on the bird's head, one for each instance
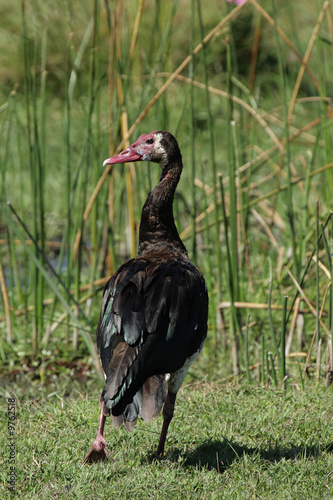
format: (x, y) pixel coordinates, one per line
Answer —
(159, 147)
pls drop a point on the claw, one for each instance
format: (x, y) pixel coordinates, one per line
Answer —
(98, 451)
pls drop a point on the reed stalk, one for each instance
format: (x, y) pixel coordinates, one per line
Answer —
(230, 285)
(35, 278)
(331, 300)
(273, 370)
(14, 281)
(232, 192)
(318, 335)
(283, 344)
(274, 337)
(305, 213)
(4, 292)
(263, 359)
(212, 151)
(246, 347)
(286, 150)
(192, 131)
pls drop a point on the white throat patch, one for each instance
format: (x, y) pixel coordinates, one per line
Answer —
(158, 148)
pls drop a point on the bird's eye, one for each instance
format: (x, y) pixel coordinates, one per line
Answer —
(150, 141)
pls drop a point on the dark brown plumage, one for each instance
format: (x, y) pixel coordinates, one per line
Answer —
(153, 320)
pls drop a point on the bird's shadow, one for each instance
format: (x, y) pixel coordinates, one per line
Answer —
(219, 455)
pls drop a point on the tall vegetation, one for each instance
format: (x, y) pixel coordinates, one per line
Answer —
(246, 90)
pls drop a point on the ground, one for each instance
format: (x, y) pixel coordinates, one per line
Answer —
(226, 441)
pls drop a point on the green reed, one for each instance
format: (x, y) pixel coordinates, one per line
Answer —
(251, 174)
(285, 156)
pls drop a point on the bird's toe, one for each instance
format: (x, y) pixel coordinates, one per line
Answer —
(98, 452)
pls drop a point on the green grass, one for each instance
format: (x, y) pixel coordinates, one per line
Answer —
(225, 441)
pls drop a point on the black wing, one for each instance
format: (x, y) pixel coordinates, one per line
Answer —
(153, 318)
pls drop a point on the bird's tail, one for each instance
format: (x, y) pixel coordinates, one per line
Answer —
(147, 402)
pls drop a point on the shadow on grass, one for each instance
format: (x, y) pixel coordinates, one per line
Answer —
(219, 455)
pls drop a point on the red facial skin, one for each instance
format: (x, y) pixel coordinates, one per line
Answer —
(138, 151)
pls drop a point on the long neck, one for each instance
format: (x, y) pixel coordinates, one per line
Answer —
(157, 229)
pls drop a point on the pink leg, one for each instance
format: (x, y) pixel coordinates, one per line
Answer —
(98, 450)
(168, 410)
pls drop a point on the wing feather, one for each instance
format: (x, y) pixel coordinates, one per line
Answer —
(122, 359)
